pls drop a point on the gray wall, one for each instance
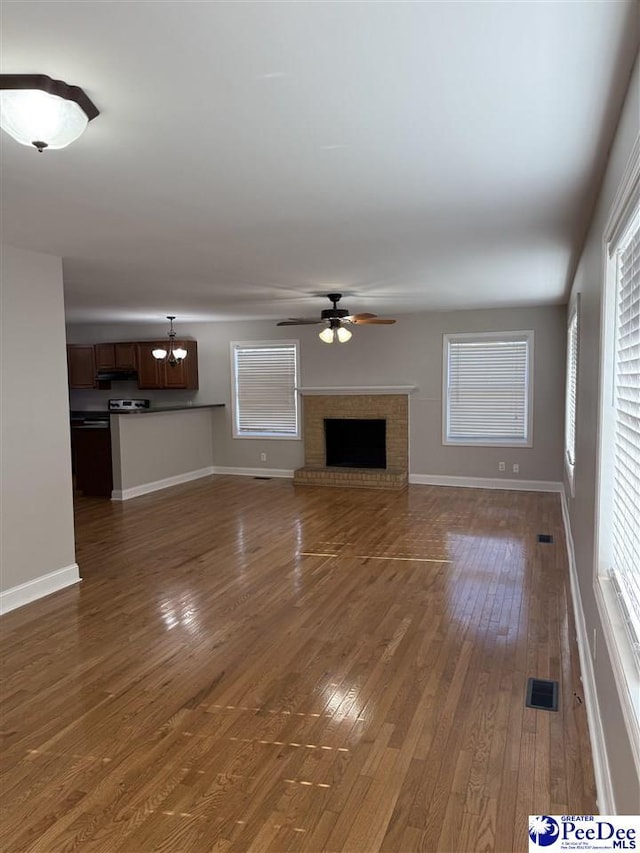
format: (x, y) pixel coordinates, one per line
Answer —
(151, 447)
(589, 282)
(37, 511)
(409, 353)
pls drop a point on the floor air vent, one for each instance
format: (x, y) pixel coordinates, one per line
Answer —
(542, 694)
(545, 537)
(262, 478)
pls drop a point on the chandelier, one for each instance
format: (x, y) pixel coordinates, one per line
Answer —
(173, 355)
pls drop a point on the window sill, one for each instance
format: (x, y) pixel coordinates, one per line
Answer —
(268, 435)
(623, 661)
(484, 442)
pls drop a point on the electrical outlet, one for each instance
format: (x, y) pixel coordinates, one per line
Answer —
(263, 457)
(502, 466)
(516, 468)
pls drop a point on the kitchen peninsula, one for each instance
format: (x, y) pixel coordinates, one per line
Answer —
(130, 451)
(155, 448)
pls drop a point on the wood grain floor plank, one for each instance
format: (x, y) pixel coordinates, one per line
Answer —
(253, 666)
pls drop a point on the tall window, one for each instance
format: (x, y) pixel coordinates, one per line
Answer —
(264, 396)
(617, 558)
(488, 389)
(571, 395)
(620, 447)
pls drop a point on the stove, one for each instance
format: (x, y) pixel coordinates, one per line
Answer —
(128, 405)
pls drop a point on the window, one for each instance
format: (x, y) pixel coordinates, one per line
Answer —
(617, 585)
(488, 389)
(263, 382)
(626, 480)
(620, 450)
(571, 396)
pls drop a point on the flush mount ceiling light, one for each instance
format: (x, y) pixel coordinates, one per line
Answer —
(36, 110)
(174, 355)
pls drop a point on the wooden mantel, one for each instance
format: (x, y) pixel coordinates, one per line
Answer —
(358, 389)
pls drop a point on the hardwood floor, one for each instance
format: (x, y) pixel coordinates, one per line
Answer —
(249, 666)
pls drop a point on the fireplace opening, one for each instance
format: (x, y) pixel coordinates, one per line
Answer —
(355, 442)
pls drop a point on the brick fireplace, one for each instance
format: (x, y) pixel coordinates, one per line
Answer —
(392, 408)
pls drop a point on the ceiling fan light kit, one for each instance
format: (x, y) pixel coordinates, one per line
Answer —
(174, 355)
(41, 112)
(335, 332)
(338, 320)
(327, 335)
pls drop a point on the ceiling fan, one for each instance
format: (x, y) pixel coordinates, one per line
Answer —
(336, 321)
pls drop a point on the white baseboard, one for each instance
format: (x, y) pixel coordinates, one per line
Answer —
(287, 473)
(156, 485)
(25, 593)
(604, 787)
(486, 483)
(284, 473)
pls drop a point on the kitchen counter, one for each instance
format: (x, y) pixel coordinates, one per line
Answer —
(87, 414)
(154, 409)
(141, 455)
(82, 416)
(84, 425)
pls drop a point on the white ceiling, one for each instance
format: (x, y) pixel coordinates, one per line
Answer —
(250, 156)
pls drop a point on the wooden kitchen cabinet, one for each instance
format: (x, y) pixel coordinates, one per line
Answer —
(105, 356)
(81, 365)
(117, 356)
(148, 366)
(160, 374)
(91, 453)
(125, 356)
(84, 361)
(185, 374)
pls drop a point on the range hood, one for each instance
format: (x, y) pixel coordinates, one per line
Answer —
(113, 375)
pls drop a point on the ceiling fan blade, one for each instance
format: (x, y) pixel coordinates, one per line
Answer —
(293, 322)
(354, 318)
(374, 321)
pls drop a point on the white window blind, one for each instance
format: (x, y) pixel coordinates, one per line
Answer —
(571, 393)
(488, 388)
(625, 532)
(265, 400)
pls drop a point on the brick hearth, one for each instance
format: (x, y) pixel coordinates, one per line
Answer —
(393, 408)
